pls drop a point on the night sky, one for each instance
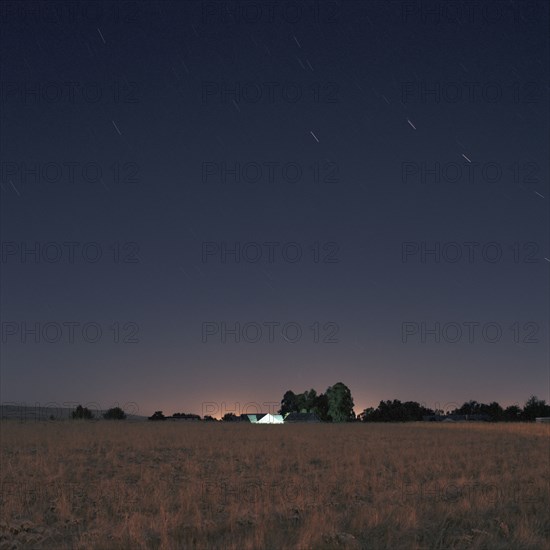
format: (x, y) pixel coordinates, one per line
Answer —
(361, 189)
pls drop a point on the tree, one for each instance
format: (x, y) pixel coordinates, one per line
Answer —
(512, 414)
(308, 400)
(338, 397)
(396, 411)
(535, 407)
(208, 418)
(157, 416)
(116, 413)
(229, 417)
(340, 403)
(289, 403)
(188, 416)
(469, 407)
(494, 410)
(82, 413)
(366, 415)
(320, 407)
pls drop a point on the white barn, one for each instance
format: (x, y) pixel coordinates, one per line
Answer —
(265, 418)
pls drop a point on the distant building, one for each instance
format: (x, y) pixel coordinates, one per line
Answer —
(301, 417)
(542, 419)
(263, 418)
(270, 419)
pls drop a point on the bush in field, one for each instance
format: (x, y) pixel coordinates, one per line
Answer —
(82, 413)
(157, 416)
(116, 413)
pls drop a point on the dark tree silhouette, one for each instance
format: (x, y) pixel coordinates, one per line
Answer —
(309, 401)
(289, 403)
(366, 415)
(512, 414)
(116, 413)
(82, 413)
(395, 411)
(320, 407)
(340, 403)
(493, 410)
(535, 407)
(188, 416)
(157, 416)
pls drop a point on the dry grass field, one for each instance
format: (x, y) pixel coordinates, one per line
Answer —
(131, 485)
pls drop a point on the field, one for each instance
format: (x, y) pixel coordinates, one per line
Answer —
(109, 485)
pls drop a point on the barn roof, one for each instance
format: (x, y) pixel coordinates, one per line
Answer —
(261, 418)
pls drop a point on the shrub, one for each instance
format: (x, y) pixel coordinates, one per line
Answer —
(82, 413)
(116, 413)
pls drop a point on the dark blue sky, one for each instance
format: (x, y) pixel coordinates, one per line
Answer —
(352, 136)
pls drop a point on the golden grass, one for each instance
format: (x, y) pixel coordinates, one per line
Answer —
(109, 485)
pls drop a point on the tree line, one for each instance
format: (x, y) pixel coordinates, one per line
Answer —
(397, 411)
(336, 405)
(83, 413)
